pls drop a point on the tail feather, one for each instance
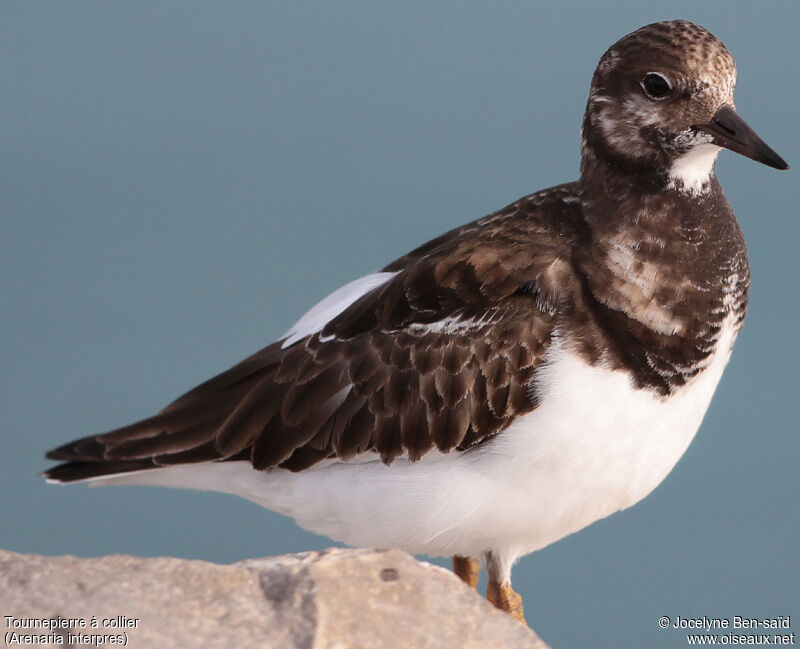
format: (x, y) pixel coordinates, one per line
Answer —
(183, 432)
(80, 471)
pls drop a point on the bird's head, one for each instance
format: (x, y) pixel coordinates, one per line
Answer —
(662, 100)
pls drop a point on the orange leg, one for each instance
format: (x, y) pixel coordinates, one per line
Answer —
(506, 599)
(468, 569)
(499, 591)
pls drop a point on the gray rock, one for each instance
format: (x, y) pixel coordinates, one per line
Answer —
(336, 599)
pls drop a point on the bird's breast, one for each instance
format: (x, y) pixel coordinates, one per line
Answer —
(597, 443)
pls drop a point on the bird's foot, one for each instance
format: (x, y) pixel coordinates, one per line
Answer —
(468, 569)
(506, 599)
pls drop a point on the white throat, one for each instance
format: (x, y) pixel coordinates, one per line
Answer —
(691, 172)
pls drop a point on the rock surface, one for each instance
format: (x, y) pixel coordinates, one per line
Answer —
(336, 599)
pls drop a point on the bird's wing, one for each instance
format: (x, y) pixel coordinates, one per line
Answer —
(439, 353)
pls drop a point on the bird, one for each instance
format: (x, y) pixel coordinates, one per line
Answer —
(511, 381)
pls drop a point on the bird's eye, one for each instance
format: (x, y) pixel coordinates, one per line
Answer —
(656, 86)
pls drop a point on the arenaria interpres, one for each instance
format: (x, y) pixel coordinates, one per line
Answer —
(513, 380)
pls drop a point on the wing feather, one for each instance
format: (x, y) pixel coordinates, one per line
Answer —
(437, 354)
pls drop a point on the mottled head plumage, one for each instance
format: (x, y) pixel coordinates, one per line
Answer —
(628, 126)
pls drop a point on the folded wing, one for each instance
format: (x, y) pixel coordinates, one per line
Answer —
(438, 354)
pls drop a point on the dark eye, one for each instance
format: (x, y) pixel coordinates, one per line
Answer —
(656, 86)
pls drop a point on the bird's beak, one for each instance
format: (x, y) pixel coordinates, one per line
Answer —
(730, 131)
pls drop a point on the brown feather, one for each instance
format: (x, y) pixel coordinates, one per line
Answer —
(543, 260)
(163, 443)
(249, 417)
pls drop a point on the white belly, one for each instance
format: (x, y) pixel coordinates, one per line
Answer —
(596, 445)
(593, 446)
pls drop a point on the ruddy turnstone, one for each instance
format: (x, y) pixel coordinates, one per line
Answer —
(513, 380)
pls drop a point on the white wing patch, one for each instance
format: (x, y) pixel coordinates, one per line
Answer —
(328, 308)
(450, 324)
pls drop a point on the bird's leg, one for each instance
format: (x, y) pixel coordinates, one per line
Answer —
(468, 569)
(499, 591)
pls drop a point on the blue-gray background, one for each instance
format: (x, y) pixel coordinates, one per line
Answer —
(180, 181)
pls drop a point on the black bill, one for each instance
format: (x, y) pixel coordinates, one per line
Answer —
(732, 132)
